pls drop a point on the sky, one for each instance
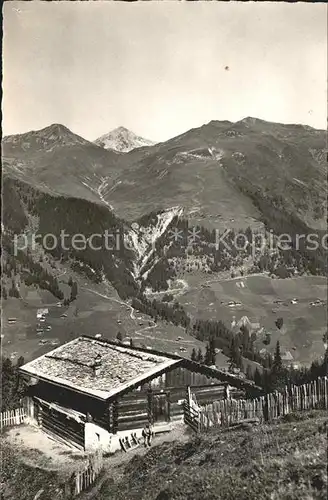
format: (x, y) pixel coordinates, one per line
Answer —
(162, 68)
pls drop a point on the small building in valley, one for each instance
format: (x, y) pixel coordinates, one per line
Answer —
(91, 393)
(287, 357)
(41, 313)
(245, 322)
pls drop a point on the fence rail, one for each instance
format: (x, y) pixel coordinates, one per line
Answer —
(10, 418)
(226, 412)
(84, 478)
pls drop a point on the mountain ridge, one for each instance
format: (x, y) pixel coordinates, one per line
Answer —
(55, 134)
(214, 171)
(241, 176)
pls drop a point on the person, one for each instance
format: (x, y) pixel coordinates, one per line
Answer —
(147, 434)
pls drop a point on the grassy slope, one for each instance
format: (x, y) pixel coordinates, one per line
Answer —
(303, 325)
(97, 309)
(252, 157)
(58, 161)
(278, 462)
(23, 482)
(282, 461)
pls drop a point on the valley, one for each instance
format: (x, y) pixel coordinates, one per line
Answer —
(263, 300)
(164, 251)
(221, 176)
(98, 310)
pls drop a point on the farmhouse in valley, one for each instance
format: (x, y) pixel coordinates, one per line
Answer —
(41, 313)
(92, 393)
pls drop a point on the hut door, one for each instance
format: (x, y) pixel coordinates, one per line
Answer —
(161, 407)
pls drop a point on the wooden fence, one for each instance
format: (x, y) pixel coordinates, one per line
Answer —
(191, 411)
(83, 479)
(226, 412)
(10, 418)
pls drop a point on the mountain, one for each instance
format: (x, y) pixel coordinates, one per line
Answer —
(222, 175)
(227, 173)
(46, 139)
(122, 140)
(57, 161)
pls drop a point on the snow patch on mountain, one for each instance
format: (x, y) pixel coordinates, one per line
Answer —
(122, 140)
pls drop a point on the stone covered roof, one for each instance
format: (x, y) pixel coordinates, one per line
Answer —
(72, 365)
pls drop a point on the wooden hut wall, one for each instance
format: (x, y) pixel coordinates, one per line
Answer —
(182, 377)
(209, 393)
(132, 410)
(74, 400)
(61, 425)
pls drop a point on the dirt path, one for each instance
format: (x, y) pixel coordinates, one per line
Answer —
(174, 291)
(132, 316)
(236, 278)
(38, 449)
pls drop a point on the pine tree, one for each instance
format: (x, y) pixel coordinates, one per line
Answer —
(207, 358)
(257, 377)
(74, 290)
(193, 356)
(278, 373)
(245, 337)
(212, 353)
(324, 365)
(279, 323)
(200, 358)
(277, 361)
(249, 372)
(20, 361)
(7, 383)
(235, 360)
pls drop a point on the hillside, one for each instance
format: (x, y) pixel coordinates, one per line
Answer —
(222, 175)
(283, 461)
(122, 140)
(57, 161)
(277, 462)
(222, 171)
(31, 211)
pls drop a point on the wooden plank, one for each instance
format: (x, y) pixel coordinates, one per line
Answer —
(59, 428)
(132, 402)
(129, 426)
(132, 417)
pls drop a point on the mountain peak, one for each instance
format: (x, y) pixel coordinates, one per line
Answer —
(122, 130)
(122, 140)
(250, 120)
(47, 138)
(58, 128)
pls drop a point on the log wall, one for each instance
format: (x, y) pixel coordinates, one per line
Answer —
(58, 424)
(132, 410)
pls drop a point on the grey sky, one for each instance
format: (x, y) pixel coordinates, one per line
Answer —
(158, 68)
